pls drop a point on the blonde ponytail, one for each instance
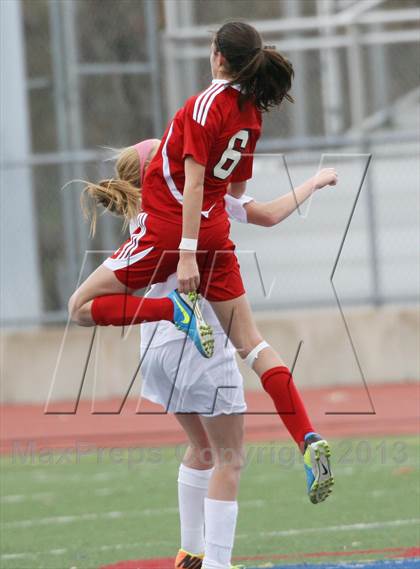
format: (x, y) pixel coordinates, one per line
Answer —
(116, 196)
(120, 195)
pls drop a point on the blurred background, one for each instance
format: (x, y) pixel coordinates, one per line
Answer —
(81, 76)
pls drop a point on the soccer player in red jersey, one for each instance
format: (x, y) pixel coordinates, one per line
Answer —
(206, 396)
(208, 148)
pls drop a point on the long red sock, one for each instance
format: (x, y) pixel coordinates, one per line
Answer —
(278, 383)
(125, 309)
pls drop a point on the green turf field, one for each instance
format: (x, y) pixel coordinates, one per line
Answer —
(99, 509)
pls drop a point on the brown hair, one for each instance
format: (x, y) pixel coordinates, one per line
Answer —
(120, 195)
(264, 75)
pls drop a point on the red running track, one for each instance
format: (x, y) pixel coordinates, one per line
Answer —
(336, 412)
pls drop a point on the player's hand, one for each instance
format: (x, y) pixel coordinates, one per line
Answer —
(325, 177)
(187, 272)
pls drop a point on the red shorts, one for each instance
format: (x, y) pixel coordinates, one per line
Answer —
(151, 256)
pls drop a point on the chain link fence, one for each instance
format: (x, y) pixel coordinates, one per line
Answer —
(105, 74)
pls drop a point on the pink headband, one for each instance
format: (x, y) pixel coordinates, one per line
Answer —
(143, 150)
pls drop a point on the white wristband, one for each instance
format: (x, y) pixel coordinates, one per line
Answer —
(188, 244)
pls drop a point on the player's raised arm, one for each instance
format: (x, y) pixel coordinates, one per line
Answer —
(275, 211)
(188, 273)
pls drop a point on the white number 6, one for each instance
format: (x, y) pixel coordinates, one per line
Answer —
(230, 154)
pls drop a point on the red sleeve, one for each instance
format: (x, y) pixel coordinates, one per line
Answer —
(243, 170)
(199, 134)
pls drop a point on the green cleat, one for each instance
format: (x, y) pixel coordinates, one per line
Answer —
(319, 477)
(189, 319)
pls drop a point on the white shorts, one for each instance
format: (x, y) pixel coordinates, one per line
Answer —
(189, 383)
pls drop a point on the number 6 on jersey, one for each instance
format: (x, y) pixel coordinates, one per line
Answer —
(231, 155)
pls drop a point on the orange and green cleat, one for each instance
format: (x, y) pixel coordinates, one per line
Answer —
(185, 560)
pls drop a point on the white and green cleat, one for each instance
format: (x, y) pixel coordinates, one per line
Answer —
(319, 477)
(189, 319)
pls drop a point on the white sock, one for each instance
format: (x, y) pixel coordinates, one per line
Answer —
(220, 521)
(192, 490)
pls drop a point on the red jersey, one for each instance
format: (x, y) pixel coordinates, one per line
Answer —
(217, 134)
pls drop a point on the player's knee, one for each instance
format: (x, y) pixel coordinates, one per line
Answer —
(231, 460)
(253, 351)
(239, 462)
(232, 470)
(79, 314)
(247, 343)
(202, 455)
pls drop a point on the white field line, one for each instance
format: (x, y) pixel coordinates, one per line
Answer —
(19, 498)
(41, 496)
(89, 517)
(64, 551)
(286, 533)
(41, 476)
(327, 529)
